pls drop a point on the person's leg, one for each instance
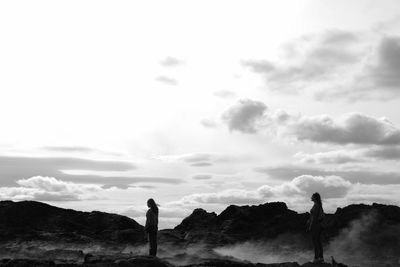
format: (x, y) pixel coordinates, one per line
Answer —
(320, 248)
(153, 243)
(314, 238)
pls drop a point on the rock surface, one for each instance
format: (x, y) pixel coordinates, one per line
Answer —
(144, 261)
(31, 220)
(50, 235)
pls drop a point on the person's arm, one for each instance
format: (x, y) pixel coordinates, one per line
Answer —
(146, 227)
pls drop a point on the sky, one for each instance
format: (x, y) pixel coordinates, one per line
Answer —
(199, 104)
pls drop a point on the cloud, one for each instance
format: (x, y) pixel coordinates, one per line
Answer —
(250, 116)
(244, 116)
(386, 71)
(335, 64)
(225, 94)
(354, 128)
(125, 182)
(230, 196)
(309, 59)
(259, 66)
(78, 149)
(201, 164)
(69, 148)
(378, 77)
(336, 191)
(194, 159)
(363, 176)
(197, 157)
(347, 156)
(388, 153)
(208, 123)
(48, 189)
(330, 157)
(200, 159)
(300, 187)
(202, 176)
(171, 62)
(328, 186)
(14, 168)
(167, 80)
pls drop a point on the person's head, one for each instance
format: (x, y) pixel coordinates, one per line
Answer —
(316, 198)
(152, 205)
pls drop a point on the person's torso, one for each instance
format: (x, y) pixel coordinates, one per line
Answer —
(152, 218)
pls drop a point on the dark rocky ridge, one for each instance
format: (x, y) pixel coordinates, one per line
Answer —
(270, 220)
(31, 220)
(33, 224)
(242, 223)
(144, 261)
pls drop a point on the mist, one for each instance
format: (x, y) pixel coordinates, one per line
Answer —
(365, 242)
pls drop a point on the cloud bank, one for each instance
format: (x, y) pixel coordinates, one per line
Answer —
(49, 189)
(249, 116)
(335, 64)
(300, 187)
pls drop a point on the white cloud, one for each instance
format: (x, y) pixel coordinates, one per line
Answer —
(230, 196)
(354, 128)
(330, 157)
(200, 158)
(300, 187)
(225, 94)
(335, 192)
(49, 189)
(377, 76)
(335, 64)
(202, 176)
(348, 156)
(167, 80)
(356, 174)
(306, 185)
(171, 62)
(380, 77)
(209, 123)
(309, 59)
(250, 116)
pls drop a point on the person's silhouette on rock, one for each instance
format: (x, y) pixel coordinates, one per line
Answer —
(151, 226)
(314, 226)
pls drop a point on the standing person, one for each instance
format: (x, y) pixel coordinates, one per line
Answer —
(315, 226)
(151, 226)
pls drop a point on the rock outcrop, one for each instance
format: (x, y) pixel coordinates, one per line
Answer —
(31, 220)
(144, 261)
(30, 228)
(270, 220)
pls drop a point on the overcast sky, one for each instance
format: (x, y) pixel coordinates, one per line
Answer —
(105, 104)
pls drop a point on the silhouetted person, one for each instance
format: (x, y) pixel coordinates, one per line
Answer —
(151, 226)
(315, 226)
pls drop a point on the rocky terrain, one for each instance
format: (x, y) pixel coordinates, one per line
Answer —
(144, 261)
(37, 234)
(30, 220)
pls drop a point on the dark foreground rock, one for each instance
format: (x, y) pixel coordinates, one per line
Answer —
(144, 261)
(363, 235)
(270, 220)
